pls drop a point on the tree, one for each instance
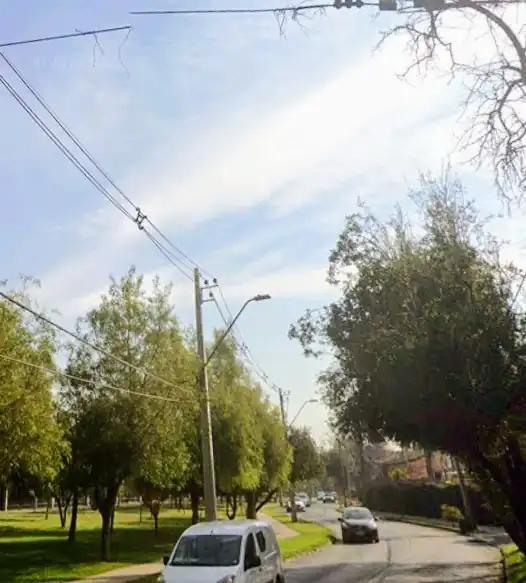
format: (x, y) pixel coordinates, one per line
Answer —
(306, 460)
(238, 444)
(426, 337)
(277, 458)
(134, 418)
(30, 439)
(494, 75)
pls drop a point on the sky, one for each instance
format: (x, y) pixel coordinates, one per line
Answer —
(246, 147)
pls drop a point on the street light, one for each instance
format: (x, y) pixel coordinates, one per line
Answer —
(301, 409)
(292, 494)
(207, 445)
(256, 298)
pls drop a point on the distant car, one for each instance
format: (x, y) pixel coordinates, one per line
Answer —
(305, 498)
(246, 551)
(300, 505)
(359, 524)
(329, 499)
(321, 496)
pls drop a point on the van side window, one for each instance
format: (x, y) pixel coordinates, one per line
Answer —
(262, 543)
(250, 551)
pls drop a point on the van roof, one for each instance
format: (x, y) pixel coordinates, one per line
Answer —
(224, 527)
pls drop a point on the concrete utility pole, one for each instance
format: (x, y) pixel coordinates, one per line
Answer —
(207, 447)
(292, 496)
(287, 426)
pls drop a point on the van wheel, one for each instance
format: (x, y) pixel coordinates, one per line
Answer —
(278, 579)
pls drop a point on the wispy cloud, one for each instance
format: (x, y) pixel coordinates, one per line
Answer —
(246, 149)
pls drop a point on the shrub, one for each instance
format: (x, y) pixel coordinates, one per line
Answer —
(424, 499)
(451, 513)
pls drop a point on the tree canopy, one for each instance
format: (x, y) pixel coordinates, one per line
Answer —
(428, 345)
(124, 411)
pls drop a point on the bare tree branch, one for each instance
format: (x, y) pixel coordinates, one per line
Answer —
(494, 104)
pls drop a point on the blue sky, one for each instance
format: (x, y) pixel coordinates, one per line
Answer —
(247, 149)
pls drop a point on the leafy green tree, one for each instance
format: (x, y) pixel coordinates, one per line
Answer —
(30, 439)
(428, 348)
(277, 458)
(130, 423)
(238, 445)
(306, 459)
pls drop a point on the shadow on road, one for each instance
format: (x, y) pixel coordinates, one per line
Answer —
(358, 572)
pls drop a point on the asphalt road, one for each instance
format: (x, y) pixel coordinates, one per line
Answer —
(405, 554)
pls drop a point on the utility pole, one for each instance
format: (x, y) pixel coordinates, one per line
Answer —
(207, 447)
(292, 495)
(463, 492)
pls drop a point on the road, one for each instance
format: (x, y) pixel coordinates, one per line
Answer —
(405, 554)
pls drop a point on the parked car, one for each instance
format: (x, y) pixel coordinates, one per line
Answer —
(359, 524)
(224, 551)
(320, 496)
(305, 498)
(300, 505)
(329, 499)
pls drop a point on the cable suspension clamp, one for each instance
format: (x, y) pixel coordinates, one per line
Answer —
(140, 218)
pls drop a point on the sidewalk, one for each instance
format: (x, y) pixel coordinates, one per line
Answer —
(126, 574)
(282, 530)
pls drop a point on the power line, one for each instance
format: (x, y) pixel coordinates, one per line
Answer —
(61, 374)
(180, 260)
(139, 218)
(242, 346)
(279, 9)
(76, 34)
(94, 347)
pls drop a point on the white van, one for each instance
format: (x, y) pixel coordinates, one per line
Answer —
(246, 551)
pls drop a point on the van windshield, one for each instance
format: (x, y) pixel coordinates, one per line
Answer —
(207, 550)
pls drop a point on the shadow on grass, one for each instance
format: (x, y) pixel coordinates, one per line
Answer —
(45, 556)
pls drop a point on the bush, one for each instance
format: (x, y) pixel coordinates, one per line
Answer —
(425, 500)
(451, 513)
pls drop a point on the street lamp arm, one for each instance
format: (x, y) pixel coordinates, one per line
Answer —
(257, 298)
(301, 409)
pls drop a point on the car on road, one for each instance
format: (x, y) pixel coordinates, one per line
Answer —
(300, 505)
(246, 551)
(320, 496)
(305, 498)
(329, 499)
(359, 524)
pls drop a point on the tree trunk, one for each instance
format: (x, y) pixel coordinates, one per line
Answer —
(429, 466)
(72, 535)
(4, 498)
(112, 520)
(265, 500)
(194, 500)
(105, 535)
(231, 506)
(250, 498)
(106, 502)
(62, 504)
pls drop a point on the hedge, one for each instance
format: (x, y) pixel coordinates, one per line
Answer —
(425, 500)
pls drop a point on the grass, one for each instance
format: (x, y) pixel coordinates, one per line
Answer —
(311, 536)
(515, 564)
(33, 549)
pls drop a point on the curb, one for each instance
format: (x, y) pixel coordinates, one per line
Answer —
(422, 522)
(504, 566)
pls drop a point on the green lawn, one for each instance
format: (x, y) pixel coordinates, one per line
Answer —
(310, 538)
(33, 549)
(516, 564)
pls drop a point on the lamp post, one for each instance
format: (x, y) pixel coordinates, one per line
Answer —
(207, 445)
(292, 495)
